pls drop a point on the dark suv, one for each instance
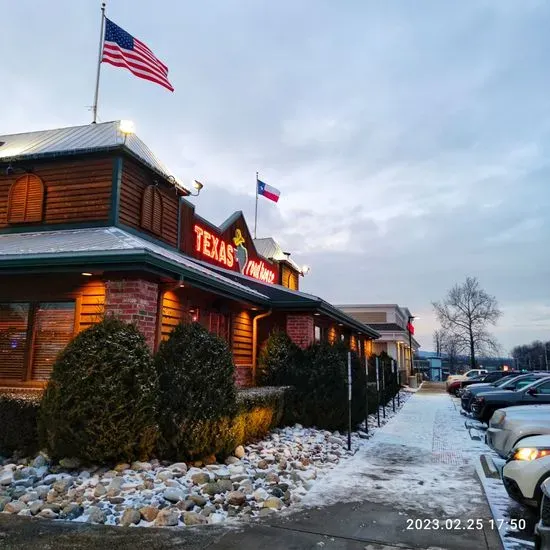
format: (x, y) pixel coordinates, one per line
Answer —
(534, 393)
(511, 383)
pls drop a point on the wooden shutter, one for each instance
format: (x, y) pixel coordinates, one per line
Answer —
(26, 200)
(151, 210)
(53, 330)
(13, 338)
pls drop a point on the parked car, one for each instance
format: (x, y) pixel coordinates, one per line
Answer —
(508, 427)
(465, 376)
(507, 383)
(542, 528)
(489, 378)
(527, 466)
(454, 387)
(486, 403)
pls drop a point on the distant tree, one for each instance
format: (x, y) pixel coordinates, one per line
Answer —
(438, 336)
(466, 313)
(534, 356)
(453, 346)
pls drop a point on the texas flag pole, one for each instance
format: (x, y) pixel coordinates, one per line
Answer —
(266, 191)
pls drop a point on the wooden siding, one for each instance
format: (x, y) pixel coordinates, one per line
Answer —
(76, 191)
(135, 179)
(289, 278)
(241, 338)
(172, 313)
(90, 304)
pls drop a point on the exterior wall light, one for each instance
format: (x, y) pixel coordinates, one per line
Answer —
(127, 127)
(197, 185)
(306, 269)
(86, 274)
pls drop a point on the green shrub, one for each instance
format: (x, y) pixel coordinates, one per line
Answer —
(277, 360)
(18, 420)
(100, 402)
(197, 398)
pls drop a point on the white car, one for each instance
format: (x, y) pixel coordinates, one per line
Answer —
(526, 468)
(465, 376)
(511, 425)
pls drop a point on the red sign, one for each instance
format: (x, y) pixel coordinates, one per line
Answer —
(232, 255)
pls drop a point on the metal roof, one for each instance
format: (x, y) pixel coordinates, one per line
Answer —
(74, 140)
(269, 248)
(85, 243)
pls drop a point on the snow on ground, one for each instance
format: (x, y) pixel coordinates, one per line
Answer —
(263, 478)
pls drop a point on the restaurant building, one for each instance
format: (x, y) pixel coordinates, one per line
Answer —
(92, 223)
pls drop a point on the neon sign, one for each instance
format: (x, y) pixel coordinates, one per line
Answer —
(209, 245)
(214, 247)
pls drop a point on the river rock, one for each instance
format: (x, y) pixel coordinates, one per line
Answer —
(192, 518)
(100, 490)
(61, 485)
(179, 467)
(149, 513)
(232, 460)
(262, 464)
(273, 502)
(212, 488)
(173, 494)
(14, 507)
(225, 485)
(239, 452)
(6, 478)
(47, 513)
(199, 500)
(235, 498)
(167, 517)
(260, 494)
(121, 467)
(216, 518)
(114, 487)
(141, 466)
(165, 474)
(39, 462)
(200, 478)
(129, 517)
(95, 515)
(35, 507)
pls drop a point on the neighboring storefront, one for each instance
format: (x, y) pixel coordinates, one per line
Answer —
(92, 223)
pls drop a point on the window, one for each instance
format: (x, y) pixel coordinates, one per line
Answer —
(543, 389)
(31, 336)
(151, 210)
(317, 333)
(219, 325)
(26, 200)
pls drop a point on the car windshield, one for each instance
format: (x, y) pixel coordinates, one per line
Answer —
(504, 379)
(471, 374)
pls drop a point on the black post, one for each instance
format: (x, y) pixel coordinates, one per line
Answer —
(384, 389)
(366, 394)
(349, 400)
(394, 372)
(398, 385)
(410, 342)
(378, 391)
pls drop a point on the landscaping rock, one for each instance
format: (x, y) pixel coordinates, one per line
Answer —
(141, 466)
(47, 513)
(130, 517)
(113, 489)
(200, 478)
(179, 467)
(232, 460)
(95, 515)
(72, 511)
(61, 485)
(35, 507)
(192, 518)
(121, 467)
(239, 452)
(273, 502)
(262, 464)
(225, 485)
(167, 517)
(260, 494)
(173, 494)
(39, 462)
(14, 507)
(100, 490)
(6, 478)
(212, 488)
(164, 475)
(236, 498)
(199, 500)
(186, 505)
(149, 513)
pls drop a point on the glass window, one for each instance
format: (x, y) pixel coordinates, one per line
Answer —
(522, 383)
(219, 325)
(317, 333)
(544, 388)
(14, 320)
(53, 330)
(31, 337)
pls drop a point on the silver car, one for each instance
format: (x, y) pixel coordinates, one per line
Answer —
(510, 425)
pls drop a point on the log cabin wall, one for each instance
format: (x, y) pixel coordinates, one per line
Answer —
(135, 179)
(241, 338)
(78, 190)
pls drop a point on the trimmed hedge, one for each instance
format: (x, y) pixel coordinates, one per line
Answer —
(100, 402)
(197, 398)
(18, 420)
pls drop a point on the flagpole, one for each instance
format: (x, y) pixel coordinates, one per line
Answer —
(256, 212)
(101, 38)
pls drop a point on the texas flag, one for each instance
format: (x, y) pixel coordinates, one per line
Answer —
(268, 192)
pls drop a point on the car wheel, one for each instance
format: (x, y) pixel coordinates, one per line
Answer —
(538, 491)
(457, 392)
(487, 413)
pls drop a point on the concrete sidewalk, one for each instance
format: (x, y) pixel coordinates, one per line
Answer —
(418, 467)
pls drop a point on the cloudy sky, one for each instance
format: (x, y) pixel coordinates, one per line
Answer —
(410, 140)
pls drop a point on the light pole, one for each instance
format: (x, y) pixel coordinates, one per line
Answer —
(410, 330)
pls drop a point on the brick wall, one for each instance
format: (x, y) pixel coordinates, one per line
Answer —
(300, 329)
(134, 301)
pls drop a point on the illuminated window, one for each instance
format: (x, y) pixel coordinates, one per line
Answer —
(26, 200)
(317, 333)
(151, 210)
(31, 337)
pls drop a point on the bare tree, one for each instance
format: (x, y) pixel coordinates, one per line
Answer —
(439, 336)
(466, 312)
(453, 346)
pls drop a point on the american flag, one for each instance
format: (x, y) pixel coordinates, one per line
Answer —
(121, 49)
